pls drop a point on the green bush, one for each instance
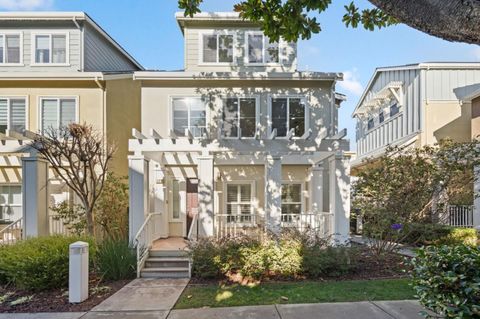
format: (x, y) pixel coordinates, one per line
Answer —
(39, 263)
(423, 234)
(321, 261)
(447, 280)
(116, 260)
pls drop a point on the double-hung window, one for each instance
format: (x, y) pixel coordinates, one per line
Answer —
(13, 114)
(289, 113)
(394, 109)
(217, 48)
(291, 202)
(260, 50)
(239, 117)
(189, 113)
(11, 48)
(50, 48)
(239, 203)
(57, 112)
(10, 202)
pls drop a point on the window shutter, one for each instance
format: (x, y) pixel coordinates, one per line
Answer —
(67, 111)
(3, 115)
(49, 115)
(17, 114)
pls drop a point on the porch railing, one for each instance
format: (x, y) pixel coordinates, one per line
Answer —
(228, 225)
(459, 216)
(148, 232)
(57, 225)
(12, 233)
(320, 223)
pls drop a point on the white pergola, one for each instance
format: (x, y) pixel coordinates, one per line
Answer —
(272, 153)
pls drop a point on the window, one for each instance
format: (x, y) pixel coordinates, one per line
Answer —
(189, 113)
(260, 50)
(239, 203)
(51, 48)
(394, 109)
(10, 48)
(381, 117)
(13, 114)
(217, 48)
(288, 113)
(370, 123)
(10, 202)
(176, 199)
(239, 117)
(291, 201)
(57, 112)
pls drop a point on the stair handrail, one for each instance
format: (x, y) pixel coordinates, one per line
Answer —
(193, 231)
(144, 238)
(16, 225)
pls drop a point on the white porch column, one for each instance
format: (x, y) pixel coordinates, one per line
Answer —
(476, 194)
(340, 196)
(316, 189)
(205, 195)
(35, 197)
(273, 193)
(138, 173)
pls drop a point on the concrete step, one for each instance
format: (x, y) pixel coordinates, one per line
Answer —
(168, 253)
(165, 272)
(160, 262)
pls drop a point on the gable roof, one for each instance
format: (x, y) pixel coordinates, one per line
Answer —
(67, 16)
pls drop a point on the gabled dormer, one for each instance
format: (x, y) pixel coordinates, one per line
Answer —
(224, 42)
(59, 42)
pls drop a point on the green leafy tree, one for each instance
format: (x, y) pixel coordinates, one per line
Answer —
(454, 20)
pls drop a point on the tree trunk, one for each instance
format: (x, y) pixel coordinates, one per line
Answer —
(452, 20)
(89, 216)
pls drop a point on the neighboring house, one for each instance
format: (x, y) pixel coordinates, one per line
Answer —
(57, 68)
(416, 105)
(240, 137)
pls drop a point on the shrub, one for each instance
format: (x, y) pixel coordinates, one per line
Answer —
(116, 260)
(206, 260)
(447, 280)
(39, 263)
(321, 261)
(436, 234)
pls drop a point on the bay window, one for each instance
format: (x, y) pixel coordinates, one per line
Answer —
(260, 50)
(13, 114)
(57, 112)
(50, 48)
(189, 113)
(239, 117)
(288, 113)
(217, 48)
(239, 203)
(10, 49)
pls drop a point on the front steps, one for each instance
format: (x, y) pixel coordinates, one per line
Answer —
(166, 264)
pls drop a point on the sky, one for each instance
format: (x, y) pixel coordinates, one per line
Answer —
(147, 30)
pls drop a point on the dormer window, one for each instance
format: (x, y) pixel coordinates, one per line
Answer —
(51, 49)
(10, 49)
(260, 50)
(217, 47)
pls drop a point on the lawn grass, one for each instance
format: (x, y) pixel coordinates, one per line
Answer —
(196, 296)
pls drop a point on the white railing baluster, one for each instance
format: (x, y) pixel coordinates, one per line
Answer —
(12, 233)
(144, 238)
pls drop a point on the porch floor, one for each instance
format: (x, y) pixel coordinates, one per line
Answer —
(170, 243)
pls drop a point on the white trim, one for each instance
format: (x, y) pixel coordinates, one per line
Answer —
(3, 34)
(217, 33)
(58, 98)
(302, 191)
(238, 97)
(8, 98)
(288, 97)
(216, 76)
(264, 45)
(253, 198)
(171, 117)
(33, 47)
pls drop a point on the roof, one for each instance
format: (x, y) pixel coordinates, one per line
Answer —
(415, 66)
(72, 76)
(66, 16)
(269, 76)
(210, 16)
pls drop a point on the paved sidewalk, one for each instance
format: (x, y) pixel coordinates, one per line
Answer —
(352, 310)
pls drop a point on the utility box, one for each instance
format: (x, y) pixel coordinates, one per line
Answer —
(78, 272)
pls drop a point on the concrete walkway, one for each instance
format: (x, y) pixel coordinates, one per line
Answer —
(401, 249)
(351, 310)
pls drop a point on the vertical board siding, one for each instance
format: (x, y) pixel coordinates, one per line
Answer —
(452, 84)
(101, 55)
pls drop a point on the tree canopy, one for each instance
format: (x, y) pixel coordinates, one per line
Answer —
(454, 20)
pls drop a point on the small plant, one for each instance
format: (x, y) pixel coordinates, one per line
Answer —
(447, 280)
(21, 300)
(5, 297)
(116, 259)
(72, 216)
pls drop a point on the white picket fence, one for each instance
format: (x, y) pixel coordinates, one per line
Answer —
(459, 216)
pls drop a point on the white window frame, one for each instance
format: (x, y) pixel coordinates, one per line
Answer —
(14, 97)
(50, 34)
(280, 55)
(253, 200)
(182, 197)
(3, 34)
(257, 115)
(307, 114)
(21, 192)
(302, 197)
(58, 98)
(170, 113)
(217, 33)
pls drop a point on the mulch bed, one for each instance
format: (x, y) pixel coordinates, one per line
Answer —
(56, 300)
(368, 267)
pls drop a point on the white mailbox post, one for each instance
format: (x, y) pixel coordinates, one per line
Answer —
(78, 272)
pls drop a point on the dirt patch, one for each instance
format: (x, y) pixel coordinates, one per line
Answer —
(14, 300)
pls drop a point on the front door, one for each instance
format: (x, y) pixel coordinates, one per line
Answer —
(192, 201)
